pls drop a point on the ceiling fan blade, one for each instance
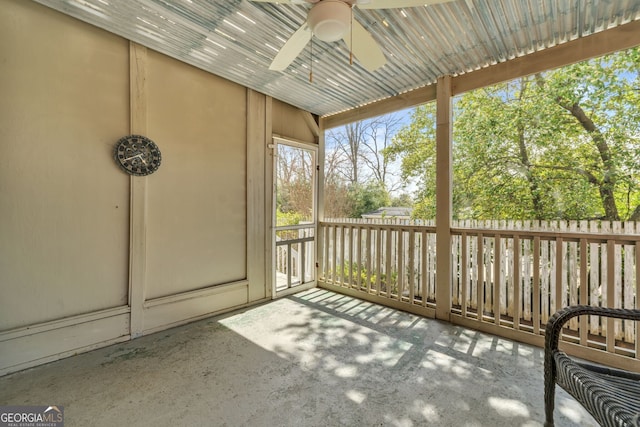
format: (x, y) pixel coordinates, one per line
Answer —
(365, 47)
(396, 4)
(291, 48)
(279, 1)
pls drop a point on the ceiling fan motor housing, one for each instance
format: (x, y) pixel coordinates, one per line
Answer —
(329, 20)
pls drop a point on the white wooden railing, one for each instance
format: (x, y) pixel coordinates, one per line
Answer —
(294, 256)
(516, 274)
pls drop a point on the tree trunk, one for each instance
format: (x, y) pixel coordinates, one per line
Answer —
(608, 182)
(534, 187)
(354, 136)
(635, 215)
(606, 186)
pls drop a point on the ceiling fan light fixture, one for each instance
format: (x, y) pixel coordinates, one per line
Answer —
(329, 20)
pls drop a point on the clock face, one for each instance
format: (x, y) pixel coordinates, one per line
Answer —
(137, 155)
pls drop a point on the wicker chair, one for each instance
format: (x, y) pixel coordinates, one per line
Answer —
(611, 396)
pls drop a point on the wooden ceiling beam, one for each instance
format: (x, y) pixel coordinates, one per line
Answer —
(384, 106)
(618, 38)
(311, 122)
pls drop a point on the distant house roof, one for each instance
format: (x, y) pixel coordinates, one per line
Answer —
(389, 212)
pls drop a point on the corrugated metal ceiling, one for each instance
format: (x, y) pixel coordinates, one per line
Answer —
(237, 39)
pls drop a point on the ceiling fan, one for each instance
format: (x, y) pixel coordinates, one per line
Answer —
(332, 20)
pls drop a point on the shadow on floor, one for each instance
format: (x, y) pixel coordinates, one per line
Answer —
(312, 359)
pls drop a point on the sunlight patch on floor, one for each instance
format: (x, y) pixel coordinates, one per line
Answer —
(509, 407)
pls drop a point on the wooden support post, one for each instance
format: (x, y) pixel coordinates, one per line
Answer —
(138, 214)
(269, 202)
(444, 137)
(257, 141)
(321, 251)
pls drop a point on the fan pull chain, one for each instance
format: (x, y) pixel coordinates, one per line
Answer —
(311, 63)
(351, 39)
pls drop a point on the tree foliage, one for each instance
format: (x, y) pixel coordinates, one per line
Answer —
(294, 184)
(366, 198)
(564, 144)
(414, 145)
(358, 177)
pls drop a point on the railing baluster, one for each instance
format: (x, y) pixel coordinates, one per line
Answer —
(606, 265)
(611, 278)
(350, 254)
(289, 265)
(327, 249)
(388, 268)
(481, 281)
(412, 273)
(431, 254)
(368, 256)
(506, 278)
(379, 233)
(359, 258)
(497, 263)
(474, 277)
(302, 262)
(400, 265)
(584, 327)
(594, 281)
(488, 275)
(334, 254)
(629, 273)
(572, 276)
(547, 278)
(320, 253)
(455, 282)
(617, 268)
(342, 250)
(528, 280)
(516, 282)
(559, 291)
(424, 269)
(637, 303)
(464, 274)
(536, 285)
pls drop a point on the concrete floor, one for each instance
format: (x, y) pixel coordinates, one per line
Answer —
(312, 359)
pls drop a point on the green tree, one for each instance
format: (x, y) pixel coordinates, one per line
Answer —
(402, 200)
(366, 198)
(414, 145)
(511, 154)
(357, 177)
(563, 144)
(294, 179)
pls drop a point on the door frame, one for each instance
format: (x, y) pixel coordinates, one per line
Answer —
(313, 148)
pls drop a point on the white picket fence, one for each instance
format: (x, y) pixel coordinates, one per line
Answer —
(513, 274)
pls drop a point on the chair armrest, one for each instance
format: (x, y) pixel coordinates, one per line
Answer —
(553, 330)
(556, 322)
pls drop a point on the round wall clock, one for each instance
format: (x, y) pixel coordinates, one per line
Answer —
(137, 155)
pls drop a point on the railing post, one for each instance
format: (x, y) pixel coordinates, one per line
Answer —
(443, 197)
